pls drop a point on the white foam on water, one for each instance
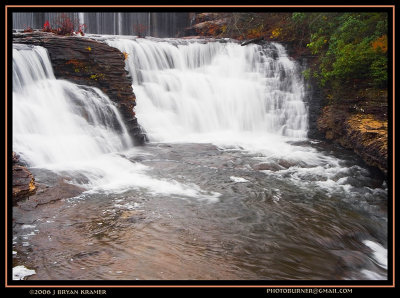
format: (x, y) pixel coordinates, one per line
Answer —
(20, 272)
(373, 275)
(26, 236)
(25, 226)
(238, 179)
(127, 206)
(379, 253)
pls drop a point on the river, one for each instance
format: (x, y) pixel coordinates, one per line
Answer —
(228, 188)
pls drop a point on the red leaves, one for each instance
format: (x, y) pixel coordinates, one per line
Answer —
(64, 26)
(47, 27)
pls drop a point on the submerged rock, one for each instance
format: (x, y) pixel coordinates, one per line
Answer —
(267, 167)
(45, 194)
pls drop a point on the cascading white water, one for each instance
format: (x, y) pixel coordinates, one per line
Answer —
(249, 98)
(216, 92)
(58, 115)
(75, 130)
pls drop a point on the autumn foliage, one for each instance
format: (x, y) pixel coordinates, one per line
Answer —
(126, 55)
(64, 25)
(348, 51)
(47, 27)
(380, 44)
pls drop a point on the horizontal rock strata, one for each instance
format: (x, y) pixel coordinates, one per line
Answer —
(366, 134)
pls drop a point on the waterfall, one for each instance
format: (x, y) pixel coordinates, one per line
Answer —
(270, 190)
(187, 88)
(58, 115)
(76, 131)
(122, 23)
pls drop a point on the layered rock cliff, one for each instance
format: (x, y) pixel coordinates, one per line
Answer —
(93, 63)
(364, 133)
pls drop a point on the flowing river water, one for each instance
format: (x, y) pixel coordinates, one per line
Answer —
(228, 188)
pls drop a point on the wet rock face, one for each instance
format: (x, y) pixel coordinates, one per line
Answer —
(364, 133)
(23, 183)
(315, 103)
(207, 24)
(93, 63)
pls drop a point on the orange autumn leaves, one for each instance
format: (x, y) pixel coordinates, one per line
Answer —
(380, 44)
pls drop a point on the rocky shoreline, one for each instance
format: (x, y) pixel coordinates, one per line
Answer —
(365, 134)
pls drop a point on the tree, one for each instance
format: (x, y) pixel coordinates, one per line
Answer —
(351, 47)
